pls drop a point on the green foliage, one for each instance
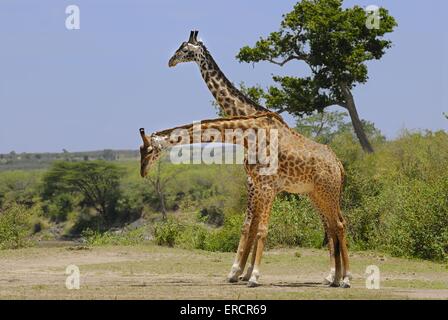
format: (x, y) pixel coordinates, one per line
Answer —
(196, 236)
(209, 186)
(321, 126)
(60, 206)
(334, 42)
(417, 225)
(19, 187)
(226, 238)
(294, 222)
(396, 199)
(212, 214)
(15, 226)
(166, 232)
(98, 182)
(193, 236)
(127, 238)
(256, 93)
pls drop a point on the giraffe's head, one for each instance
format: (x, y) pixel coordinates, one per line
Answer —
(150, 152)
(188, 51)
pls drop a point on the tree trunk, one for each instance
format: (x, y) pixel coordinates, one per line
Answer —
(356, 122)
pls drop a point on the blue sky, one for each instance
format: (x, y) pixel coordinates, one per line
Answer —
(93, 88)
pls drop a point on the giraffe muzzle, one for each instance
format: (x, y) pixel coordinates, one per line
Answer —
(172, 62)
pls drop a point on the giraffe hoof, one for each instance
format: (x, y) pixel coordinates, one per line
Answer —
(328, 280)
(244, 278)
(346, 283)
(252, 284)
(232, 279)
(334, 285)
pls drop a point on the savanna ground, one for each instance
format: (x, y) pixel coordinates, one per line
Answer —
(153, 272)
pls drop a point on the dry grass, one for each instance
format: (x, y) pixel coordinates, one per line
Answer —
(152, 272)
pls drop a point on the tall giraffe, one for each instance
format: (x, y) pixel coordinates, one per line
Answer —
(302, 166)
(232, 102)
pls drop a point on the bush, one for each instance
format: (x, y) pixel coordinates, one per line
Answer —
(226, 238)
(127, 238)
(294, 222)
(197, 236)
(166, 232)
(193, 236)
(418, 225)
(213, 215)
(15, 226)
(396, 199)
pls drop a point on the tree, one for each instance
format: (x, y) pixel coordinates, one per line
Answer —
(335, 43)
(321, 126)
(98, 182)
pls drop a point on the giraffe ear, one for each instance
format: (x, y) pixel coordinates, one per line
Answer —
(191, 39)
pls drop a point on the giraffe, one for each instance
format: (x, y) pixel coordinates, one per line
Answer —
(232, 102)
(303, 167)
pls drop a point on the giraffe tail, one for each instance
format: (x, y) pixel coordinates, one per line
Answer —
(341, 167)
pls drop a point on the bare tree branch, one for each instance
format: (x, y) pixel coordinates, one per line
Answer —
(302, 57)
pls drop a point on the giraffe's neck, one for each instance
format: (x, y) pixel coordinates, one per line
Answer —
(217, 130)
(231, 101)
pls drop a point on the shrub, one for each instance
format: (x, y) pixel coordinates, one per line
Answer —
(418, 223)
(227, 237)
(294, 222)
(166, 232)
(396, 200)
(127, 238)
(197, 236)
(193, 236)
(212, 214)
(15, 226)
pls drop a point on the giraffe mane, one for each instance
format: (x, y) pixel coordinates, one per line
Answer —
(235, 91)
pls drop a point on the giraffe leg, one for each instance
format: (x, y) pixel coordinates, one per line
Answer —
(335, 230)
(252, 234)
(263, 206)
(330, 278)
(245, 243)
(249, 270)
(337, 259)
(330, 242)
(346, 276)
(243, 246)
(247, 249)
(261, 238)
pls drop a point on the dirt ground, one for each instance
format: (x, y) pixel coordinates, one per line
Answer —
(152, 272)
